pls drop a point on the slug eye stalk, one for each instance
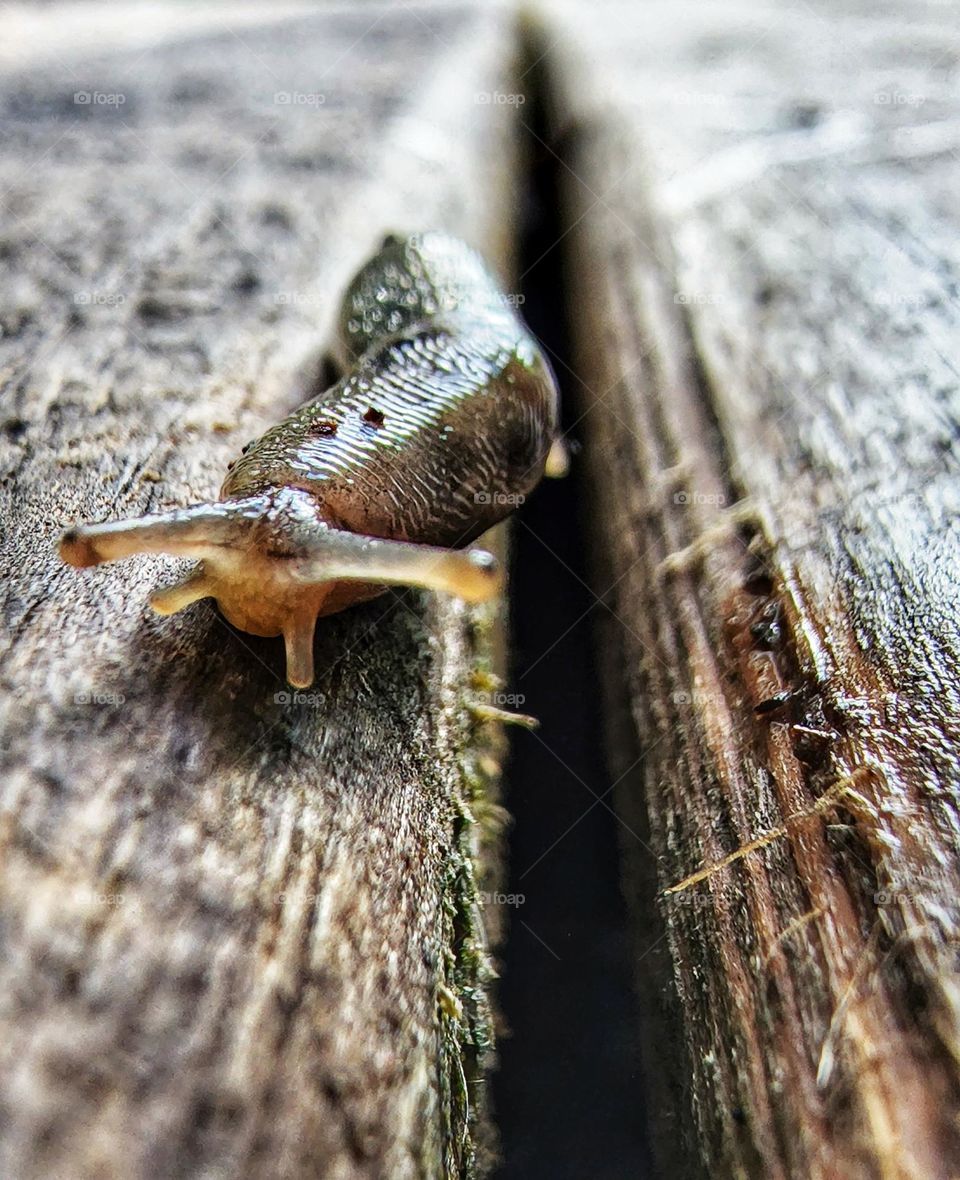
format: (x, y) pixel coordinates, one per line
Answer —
(274, 565)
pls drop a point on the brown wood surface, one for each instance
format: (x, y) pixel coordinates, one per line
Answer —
(763, 274)
(238, 933)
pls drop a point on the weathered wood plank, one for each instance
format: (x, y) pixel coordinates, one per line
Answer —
(765, 281)
(227, 917)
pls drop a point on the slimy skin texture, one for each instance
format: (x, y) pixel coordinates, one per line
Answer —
(442, 421)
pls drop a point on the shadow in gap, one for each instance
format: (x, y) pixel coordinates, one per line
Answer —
(568, 1097)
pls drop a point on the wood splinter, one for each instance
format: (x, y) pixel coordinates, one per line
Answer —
(483, 712)
(690, 556)
(843, 789)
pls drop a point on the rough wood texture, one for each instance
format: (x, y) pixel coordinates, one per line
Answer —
(227, 917)
(765, 282)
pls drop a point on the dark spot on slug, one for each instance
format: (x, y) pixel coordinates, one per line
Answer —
(247, 446)
(373, 417)
(323, 428)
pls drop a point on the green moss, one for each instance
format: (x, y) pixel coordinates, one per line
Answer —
(465, 1010)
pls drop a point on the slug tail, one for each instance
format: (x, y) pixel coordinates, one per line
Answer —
(558, 460)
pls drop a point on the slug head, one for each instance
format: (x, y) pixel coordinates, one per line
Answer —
(274, 565)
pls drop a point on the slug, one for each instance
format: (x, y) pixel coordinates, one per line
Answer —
(441, 421)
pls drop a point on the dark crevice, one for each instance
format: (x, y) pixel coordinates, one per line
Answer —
(568, 1097)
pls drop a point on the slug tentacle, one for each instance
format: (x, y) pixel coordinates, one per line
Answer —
(173, 598)
(470, 574)
(298, 642)
(198, 531)
(437, 422)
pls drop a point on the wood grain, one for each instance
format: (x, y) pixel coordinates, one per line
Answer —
(239, 930)
(764, 268)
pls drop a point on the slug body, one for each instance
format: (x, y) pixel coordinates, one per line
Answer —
(441, 422)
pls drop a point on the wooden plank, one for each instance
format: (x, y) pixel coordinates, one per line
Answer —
(764, 271)
(240, 933)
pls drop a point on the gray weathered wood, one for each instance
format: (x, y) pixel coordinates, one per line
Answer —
(239, 933)
(764, 276)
